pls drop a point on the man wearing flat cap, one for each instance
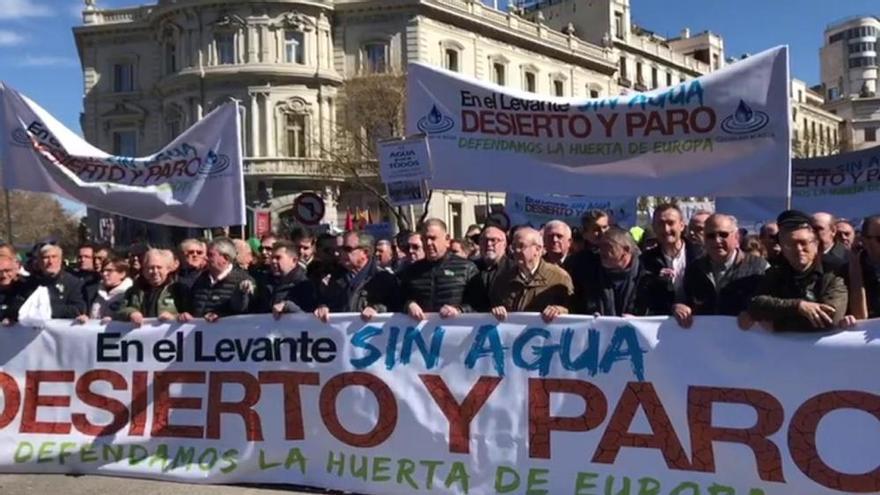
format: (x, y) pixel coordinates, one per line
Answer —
(800, 294)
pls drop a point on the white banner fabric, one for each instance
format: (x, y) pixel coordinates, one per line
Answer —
(538, 209)
(194, 181)
(468, 405)
(846, 185)
(723, 134)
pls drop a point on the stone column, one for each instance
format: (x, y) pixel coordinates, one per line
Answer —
(268, 115)
(255, 125)
(331, 198)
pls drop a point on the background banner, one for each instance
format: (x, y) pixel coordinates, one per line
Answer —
(467, 405)
(194, 181)
(538, 209)
(846, 185)
(723, 134)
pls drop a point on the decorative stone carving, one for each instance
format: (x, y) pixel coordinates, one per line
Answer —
(298, 21)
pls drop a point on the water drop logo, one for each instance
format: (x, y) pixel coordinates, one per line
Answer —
(744, 120)
(20, 137)
(435, 122)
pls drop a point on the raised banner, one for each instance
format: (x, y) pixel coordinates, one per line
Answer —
(846, 185)
(538, 209)
(194, 181)
(723, 134)
(468, 405)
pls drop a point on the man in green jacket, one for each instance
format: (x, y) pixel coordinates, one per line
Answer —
(800, 294)
(156, 294)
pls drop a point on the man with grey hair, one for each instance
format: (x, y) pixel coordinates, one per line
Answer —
(192, 253)
(557, 242)
(155, 294)
(364, 288)
(723, 281)
(492, 261)
(532, 284)
(613, 280)
(834, 254)
(223, 289)
(65, 290)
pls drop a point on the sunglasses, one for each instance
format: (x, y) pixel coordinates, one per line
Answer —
(715, 235)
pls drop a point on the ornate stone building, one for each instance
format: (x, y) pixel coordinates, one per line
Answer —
(152, 71)
(815, 131)
(850, 74)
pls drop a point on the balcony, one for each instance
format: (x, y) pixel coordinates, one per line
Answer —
(282, 166)
(624, 82)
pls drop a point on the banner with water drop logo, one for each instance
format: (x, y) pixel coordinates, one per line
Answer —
(194, 181)
(723, 134)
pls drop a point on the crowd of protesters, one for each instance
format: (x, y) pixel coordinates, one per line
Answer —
(802, 272)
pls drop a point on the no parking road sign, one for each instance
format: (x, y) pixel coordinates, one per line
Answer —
(308, 208)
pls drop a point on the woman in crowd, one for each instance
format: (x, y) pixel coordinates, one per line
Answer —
(111, 294)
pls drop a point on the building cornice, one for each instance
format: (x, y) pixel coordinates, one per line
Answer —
(503, 26)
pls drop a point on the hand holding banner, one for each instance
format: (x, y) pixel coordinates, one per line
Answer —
(462, 405)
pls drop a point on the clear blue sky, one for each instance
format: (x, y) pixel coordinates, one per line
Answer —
(38, 54)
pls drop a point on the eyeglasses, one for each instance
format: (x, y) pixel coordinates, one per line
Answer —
(265, 248)
(349, 249)
(875, 238)
(193, 252)
(715, 235)
(414, 247)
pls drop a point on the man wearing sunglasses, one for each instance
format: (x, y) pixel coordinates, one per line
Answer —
(363, 288)
(723, 281)
(803, 294)
(194, 255)
(864, 272)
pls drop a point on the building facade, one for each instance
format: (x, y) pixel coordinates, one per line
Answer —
(815, 131)
(850, 74)
(152, 71)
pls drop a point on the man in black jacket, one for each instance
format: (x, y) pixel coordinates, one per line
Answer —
(288, 289)
(437, 283)
(493, 260)
(724, 280)
(834, 254)
(65, 290)
(363, 288)
(662, 283)
(13, 291)
(612, 280)
(864, 272)
(222, 289)
(192, 252)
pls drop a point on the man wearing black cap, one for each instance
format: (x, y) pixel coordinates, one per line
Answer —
(801, 294)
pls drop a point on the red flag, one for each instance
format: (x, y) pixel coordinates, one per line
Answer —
(349, 223)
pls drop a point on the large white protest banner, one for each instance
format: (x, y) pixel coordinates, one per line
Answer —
(846, 185)
(723, 134)
(466, 405)
(196, 180)
(538, 209)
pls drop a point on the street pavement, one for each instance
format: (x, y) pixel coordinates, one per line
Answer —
(41, 484)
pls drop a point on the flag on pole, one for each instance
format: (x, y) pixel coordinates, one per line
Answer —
(194, 181)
